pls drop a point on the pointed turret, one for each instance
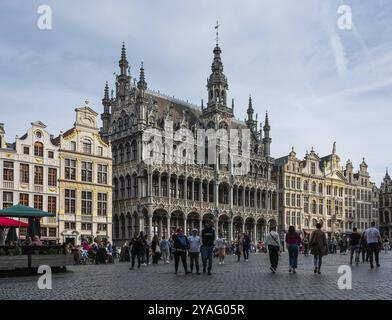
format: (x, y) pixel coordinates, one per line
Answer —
(123, 78)
(250, 122)
(387, 177)
(217, 85)
(140, 99)
(105, 116)
(267, 139)
(142, 84)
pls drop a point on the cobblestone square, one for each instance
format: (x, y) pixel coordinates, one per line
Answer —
(250, 280)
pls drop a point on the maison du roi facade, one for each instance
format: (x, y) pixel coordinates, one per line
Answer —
(159, 197)
(69, 175)
(386, 206)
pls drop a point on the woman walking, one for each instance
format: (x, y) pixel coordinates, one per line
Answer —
(293, 240)
(319, 247)
(181, 245)
(220, 244)
(272, 241)
(155, 249)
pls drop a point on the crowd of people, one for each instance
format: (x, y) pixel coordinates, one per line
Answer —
(205, 245)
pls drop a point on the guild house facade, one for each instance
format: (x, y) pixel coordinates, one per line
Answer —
(318, 189)
(29, 175)
(160, 196)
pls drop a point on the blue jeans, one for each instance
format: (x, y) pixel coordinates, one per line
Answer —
(317, 261)
(206, 254)
(293, 255)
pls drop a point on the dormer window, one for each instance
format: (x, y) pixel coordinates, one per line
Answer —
(313, 168)
(87, 147)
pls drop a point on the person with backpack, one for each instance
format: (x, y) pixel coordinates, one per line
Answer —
(272, 242)
(319, 247)
(181, 245)
(207, 240)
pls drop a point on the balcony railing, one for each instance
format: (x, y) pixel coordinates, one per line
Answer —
(8, 184)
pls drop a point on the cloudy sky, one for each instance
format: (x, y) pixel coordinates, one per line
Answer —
(319, 83)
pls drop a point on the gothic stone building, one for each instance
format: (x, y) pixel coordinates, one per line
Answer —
(156, 198)
(385, 209)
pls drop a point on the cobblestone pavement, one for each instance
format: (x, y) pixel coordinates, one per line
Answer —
(243, 280)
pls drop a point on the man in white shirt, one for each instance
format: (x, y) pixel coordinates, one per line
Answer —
(194, 250)
(373, 238)
(272, 241)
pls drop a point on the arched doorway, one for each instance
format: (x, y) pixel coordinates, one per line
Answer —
(176, 221)
(223, 226)
(261, 230)
(159, 223)
(250, 228)
(237, 226)
(207, 218)
(193, 222)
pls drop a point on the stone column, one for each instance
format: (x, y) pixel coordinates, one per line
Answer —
(216, 193)
(216, 222)
(193, 190)
(231, 190)
(168, 227)
(185, 226)
(160, 226)
(160, 185)
(176, 188)
(200, 225)
(255, 233)
(208, 192)
(230, 231)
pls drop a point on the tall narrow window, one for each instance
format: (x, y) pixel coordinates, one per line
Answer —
(38, 149)
(52, 177)
(87, 202)
(38, 202)
(8, 171)
(102, 174)
(70, 169)
(24, 173)
(39, 175)
(8, 199)
(87, 147)
(102, 204)
(70, 201)
(52, 204)
(87, 171)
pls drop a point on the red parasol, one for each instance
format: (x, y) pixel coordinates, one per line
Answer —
(7, 222)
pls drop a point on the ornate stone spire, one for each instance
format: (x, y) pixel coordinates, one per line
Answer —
(334, 148)
(267, 139)
(123, 78)
(142, 84)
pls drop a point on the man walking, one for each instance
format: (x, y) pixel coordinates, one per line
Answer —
(246, 244)
(373, 239)
(354, 243)
(194, 250)
(207, 239)
(272, 241)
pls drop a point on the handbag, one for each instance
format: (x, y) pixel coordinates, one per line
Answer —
(157, 249)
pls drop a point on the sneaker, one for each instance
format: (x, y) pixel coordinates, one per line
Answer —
(223, 262)
(220, 262)
(318, 271)
(315, 270)
(289, 270)
(378, 265)
(167, 261)
(272, 269)
(294, 270)
(371, 266)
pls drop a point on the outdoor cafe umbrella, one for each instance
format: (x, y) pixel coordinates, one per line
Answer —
(12, 224)
(33, 214)
(11, 235)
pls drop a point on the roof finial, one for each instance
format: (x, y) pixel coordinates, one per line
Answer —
(217, 32)
(334, 148)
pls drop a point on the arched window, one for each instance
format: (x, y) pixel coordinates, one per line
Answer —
(314, 207)
(38, 149)
(128, 152)
(120, 125)
(126, 122)
(121, 154)
(134, 150)
(306, 185)
(320, 188)
(314, 187)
